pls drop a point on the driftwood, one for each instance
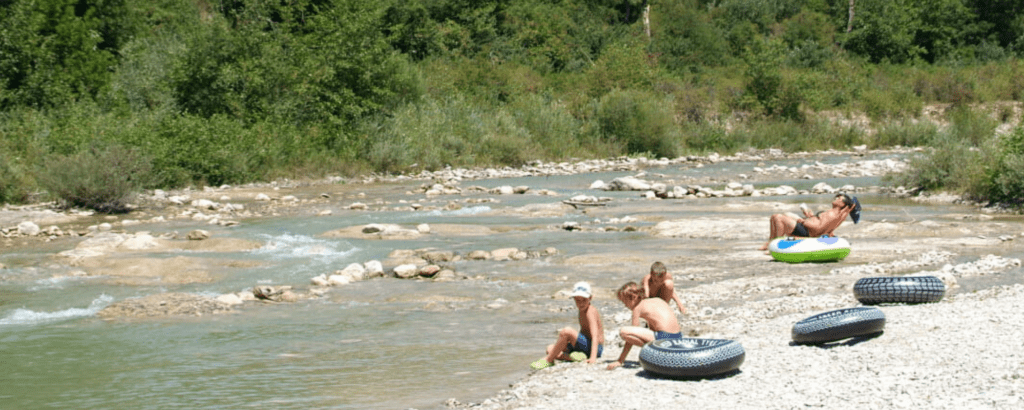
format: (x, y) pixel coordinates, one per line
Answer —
(578, 204)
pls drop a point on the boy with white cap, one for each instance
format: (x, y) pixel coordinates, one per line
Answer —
(585, 344)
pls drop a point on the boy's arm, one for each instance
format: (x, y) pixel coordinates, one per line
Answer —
(622, 357)
(625, 350)
(679, 303)
(646, 288)
(593, 324)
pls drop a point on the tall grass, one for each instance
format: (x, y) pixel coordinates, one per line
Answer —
(905, 134)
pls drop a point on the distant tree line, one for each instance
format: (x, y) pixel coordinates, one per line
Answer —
(228, 91)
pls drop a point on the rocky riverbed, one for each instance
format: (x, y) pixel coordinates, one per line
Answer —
(960, 352)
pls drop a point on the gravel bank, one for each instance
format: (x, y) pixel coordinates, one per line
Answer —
(963, 352)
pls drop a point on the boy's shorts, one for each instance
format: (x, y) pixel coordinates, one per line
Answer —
(666, 335)
(583, 345)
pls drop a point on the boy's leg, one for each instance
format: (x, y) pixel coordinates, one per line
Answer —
(635, 335)
(566, 337)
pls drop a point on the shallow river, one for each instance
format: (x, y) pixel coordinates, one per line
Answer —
(381, 343)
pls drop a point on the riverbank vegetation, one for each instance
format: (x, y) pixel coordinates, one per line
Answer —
(211, 92)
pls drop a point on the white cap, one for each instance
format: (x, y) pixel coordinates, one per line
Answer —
(581, 289)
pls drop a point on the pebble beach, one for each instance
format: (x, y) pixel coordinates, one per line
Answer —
(964, 352)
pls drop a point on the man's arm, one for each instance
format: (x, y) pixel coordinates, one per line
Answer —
(807, 212)
(840, 217)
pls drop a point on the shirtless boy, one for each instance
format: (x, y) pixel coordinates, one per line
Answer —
(824, 223)
(586, 344)
(661, 320)
(659, 283)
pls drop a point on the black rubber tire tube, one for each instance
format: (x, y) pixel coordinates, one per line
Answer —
(838, 325)
(691, 358)
(899, 289)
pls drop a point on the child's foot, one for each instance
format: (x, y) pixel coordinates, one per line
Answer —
(578, 356)
(543, 363)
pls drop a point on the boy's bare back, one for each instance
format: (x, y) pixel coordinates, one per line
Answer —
(658, 314)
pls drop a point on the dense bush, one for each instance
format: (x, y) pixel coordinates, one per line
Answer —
(103, 178)
(638, 123)
(1005, 180)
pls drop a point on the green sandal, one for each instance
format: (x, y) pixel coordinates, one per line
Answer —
(541, 364)
(578, 356)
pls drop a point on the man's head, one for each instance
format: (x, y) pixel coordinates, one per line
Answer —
(847, 201)
(852, 203)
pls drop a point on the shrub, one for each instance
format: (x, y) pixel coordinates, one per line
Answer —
(1005, 179)
(950, 164)
(702, 138)
(12, 187)
(639, 123)
(973, 126)
(894, 102)
(946, 86)
(102, 178)
(905, 134)
(549, 124)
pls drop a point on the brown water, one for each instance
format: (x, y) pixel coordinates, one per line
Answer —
(389, 343)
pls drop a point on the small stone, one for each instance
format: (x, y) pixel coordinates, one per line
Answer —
(198, 235)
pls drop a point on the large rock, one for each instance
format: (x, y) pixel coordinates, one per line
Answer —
(198, 235)
(628, 183)
(822, 188)
(355, 271)
(429, 271)
(438, 256)
(405, 271)
(503, 254)
(28, 228)
(374, 269)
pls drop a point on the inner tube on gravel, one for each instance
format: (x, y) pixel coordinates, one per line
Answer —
(691, 358)
(838, 325)
(899, 289)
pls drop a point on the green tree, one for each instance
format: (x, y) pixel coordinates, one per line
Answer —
(305, 64)
(54, 51)
(884, 30)
(948, 29)
(684, 38)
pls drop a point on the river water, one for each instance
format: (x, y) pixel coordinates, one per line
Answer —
(376, 344)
